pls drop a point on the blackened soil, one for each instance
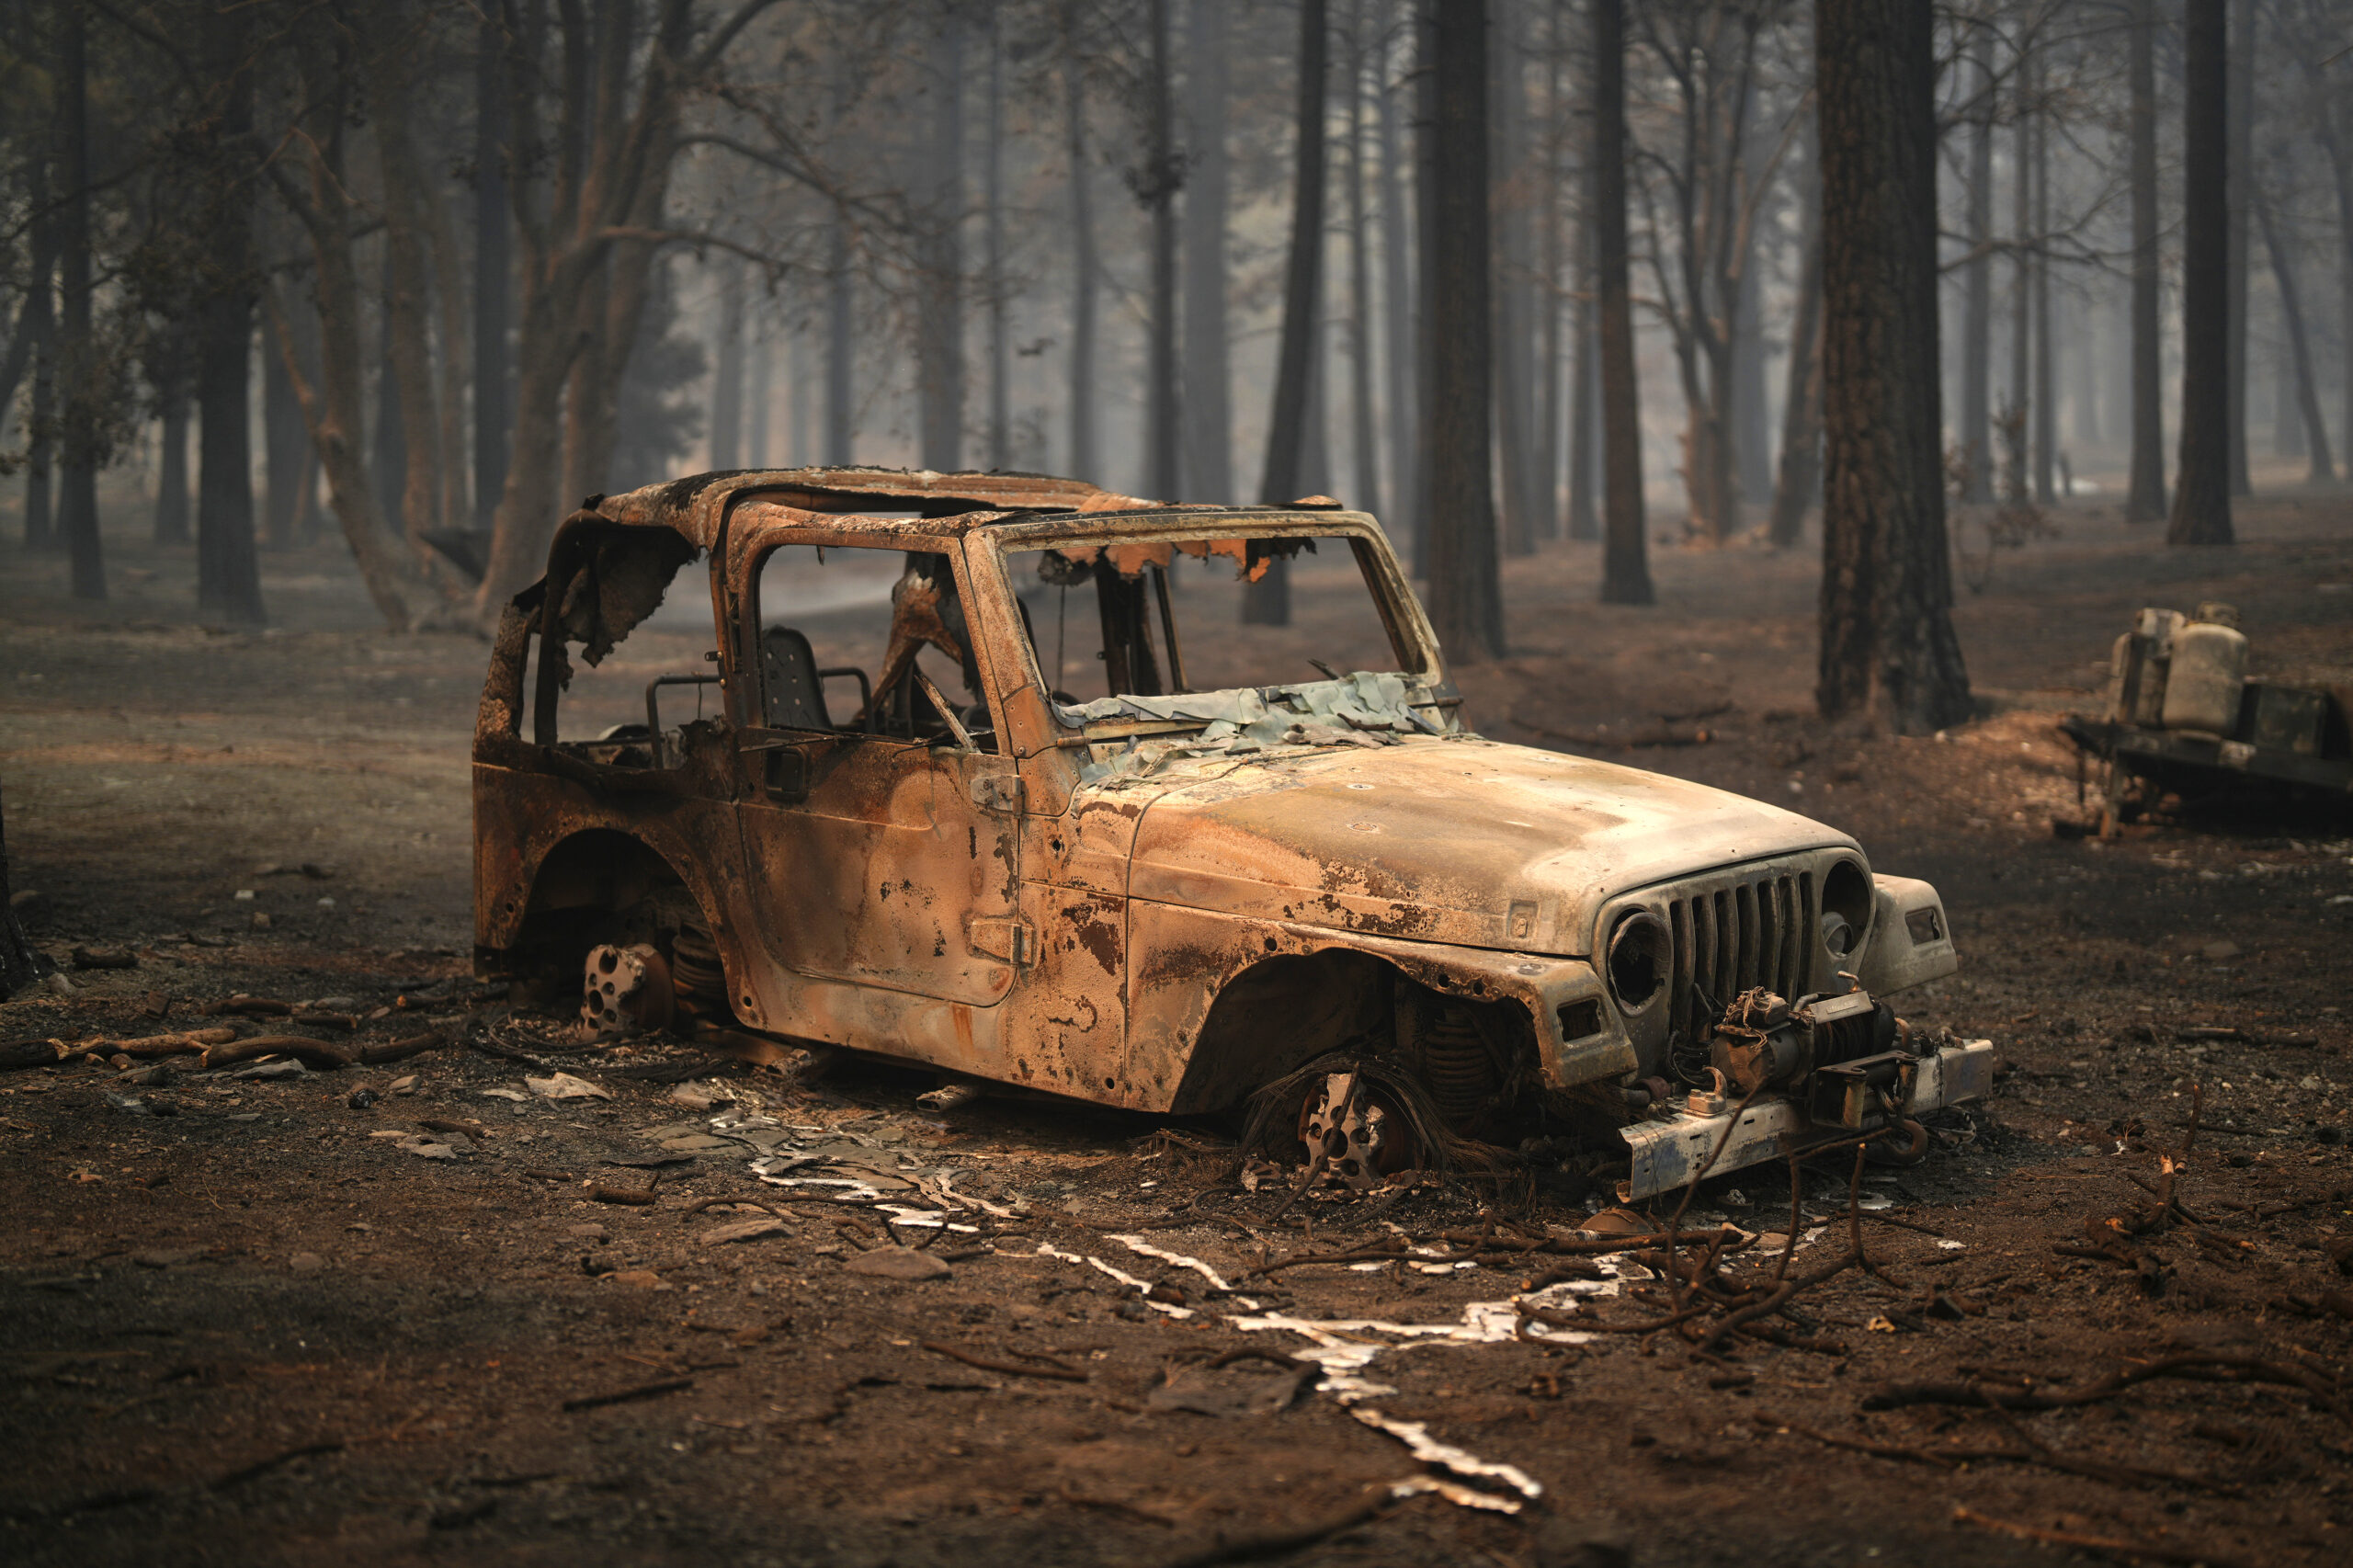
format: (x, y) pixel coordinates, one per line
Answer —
(239, 1326)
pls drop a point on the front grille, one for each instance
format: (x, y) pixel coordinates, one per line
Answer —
(1735, 936)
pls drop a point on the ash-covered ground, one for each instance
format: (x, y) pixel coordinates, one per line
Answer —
(421, 1311)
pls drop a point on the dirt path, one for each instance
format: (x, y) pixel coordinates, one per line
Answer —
(242, 1326)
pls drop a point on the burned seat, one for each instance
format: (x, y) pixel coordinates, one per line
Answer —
(793, 686)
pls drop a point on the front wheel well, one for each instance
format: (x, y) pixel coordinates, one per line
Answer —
(1475, 1055)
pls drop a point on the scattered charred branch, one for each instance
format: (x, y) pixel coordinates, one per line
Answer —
(1949, 1457)
(623, 1396)
(401, 1050)
(301, 1048)
(2199, 1367)
(2153, 1553)
(1047, 1368)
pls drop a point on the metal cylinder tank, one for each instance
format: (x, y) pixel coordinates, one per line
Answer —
(2209, 673)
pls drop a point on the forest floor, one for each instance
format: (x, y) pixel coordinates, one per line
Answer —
(375, 1316)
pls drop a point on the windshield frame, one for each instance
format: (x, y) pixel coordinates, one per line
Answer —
(1410, 636)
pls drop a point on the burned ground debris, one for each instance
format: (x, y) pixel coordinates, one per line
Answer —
(798, 1315)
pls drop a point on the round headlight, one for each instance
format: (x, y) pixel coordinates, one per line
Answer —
(1640, 956)
(1846, 909)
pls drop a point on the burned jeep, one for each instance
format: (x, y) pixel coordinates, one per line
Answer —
(989, 774)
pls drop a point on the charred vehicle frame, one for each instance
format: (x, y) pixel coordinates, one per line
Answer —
(1168, 901)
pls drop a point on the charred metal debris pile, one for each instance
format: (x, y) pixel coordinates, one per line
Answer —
(2185, 727)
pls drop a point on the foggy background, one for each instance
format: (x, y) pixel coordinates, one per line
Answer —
(658, 236)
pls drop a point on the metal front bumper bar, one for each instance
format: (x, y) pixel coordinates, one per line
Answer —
(1669, 1151)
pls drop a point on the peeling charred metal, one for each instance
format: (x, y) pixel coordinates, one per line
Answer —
(1167, 901)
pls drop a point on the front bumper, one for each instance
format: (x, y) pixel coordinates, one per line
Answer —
(1669, 1151)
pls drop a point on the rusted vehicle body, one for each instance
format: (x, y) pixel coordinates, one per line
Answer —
(1160, 897)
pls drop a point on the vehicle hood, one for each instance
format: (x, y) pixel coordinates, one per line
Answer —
(1461, 841)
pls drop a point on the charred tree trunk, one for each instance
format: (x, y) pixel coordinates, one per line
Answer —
(940, 325)
(493, 260)
(2045, 430)
(1513, 316)
(1208, 408)
(1751, 452)
(36, 342)
(1976, 424)
(171, 467)
(2201, 503)
(588, 230)
(21, 964)
(77, 499)
(1315, 434)
(841, 440)
(2287, 420)
(1798, 481)
(1084, 461)
(285, 458)
(2333, 126)
(408, 302)
(1550, 177)
(1363, 443)
(2238, 179)
(1887, 637)
(758, 383)
(228, 569)
(2307, 403)
(1397, 279)
(2144, 496)
(1423, 15)
(1584, 369)
(449, 399)
(333, 407)
(1625, 568)
(2020, 405)
(727, 370)
(1466, 591)
(40, 425)
(388, 453)
(1585, 382)
(1000, 431)
(1162, 175)
(1267, 602)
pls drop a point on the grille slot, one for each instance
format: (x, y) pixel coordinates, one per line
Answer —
(1729, 938)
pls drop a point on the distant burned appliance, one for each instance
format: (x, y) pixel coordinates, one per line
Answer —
(2183, 718)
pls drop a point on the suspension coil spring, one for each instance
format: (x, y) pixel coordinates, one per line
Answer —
(1456, 1065)
(694, 969)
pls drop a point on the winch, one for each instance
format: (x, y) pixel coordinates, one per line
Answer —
(1841, 1052)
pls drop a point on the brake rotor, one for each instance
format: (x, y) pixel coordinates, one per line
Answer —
(1361, 1132)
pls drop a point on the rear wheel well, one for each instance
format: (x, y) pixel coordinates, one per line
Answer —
(599, 885)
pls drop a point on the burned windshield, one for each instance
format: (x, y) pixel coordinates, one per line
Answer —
(1169, 618)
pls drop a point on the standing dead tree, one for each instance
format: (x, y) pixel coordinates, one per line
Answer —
(1887, 636)
(1267, 602)
(1155, 185)
(1625, 567)
(587, 231)
(320, 196)
(1798, 482)
(1711, 188)
(2201, 502)
(1466, 589)
(20, 963)
(2144, 496)
(2328, 110)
